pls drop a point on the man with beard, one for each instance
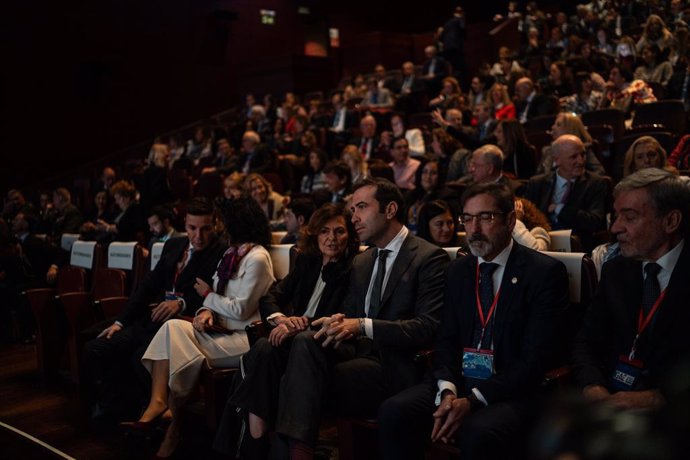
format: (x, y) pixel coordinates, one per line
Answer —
(500, 330)
(635, 331)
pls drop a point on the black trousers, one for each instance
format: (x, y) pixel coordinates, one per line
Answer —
(112, 372)
(493, 432)
(348, 380)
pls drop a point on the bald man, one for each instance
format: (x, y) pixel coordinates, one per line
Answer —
(530, 103)
(571, 197)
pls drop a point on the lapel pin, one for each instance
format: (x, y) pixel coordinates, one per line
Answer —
(514, 280)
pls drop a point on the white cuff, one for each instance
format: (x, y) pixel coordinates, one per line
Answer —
(369, 327)
(444, 385)
(274, 316)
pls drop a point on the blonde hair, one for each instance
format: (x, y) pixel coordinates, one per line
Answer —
(629, 160)
(572, 124)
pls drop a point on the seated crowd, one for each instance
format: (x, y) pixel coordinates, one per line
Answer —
(408, 168)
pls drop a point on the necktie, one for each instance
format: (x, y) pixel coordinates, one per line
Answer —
(377, 288)
(486, 298)
(482, 132)
(186, 258)
(566, 192)
(650, 288)
(336, 121)
(486, 285)
(364, 148)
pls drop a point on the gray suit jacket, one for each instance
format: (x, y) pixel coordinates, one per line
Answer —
(410, 307)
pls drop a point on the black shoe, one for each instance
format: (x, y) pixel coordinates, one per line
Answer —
(247, 447)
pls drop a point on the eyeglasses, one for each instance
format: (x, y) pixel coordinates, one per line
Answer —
(486, 217)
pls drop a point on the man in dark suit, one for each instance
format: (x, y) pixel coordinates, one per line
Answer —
(116, 352)
(571, 197)
(636, 329)
(486, 166)
(256, 157)
(391, 311)
(340, 124)
(434, 69)
(410, 90)
(503, 314)
(369, 143)
(529, 103)
(472, 137)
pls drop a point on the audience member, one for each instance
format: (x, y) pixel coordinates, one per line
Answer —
(436, 224)
(314, 179)
(645, 152)
(376, 98)
(404, 167)
(624, 94)
(434, 69)
(369, 143)
(315, 288)
(530, 103)
(179, 349)
(428, 187)
(572, 197)
(520, 157)
(585, 99)
(161, 228)
(620, 357)
(567, 123)
(338, 184)
(297, 215)
(353, 159)
(484, 376)
(68, 218)
(654, 68)
(364, 355)
(130, 223)
(262, 191)
(450, 97)
(110, 360)
(502, 106)
(256, 157)
(531, 226)
(453, 38)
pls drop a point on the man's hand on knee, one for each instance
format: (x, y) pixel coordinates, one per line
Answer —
(109, 331)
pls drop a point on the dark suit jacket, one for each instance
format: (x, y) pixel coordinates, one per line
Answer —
(291, 295)
(132, 222)
(262, 160)
(68, 220)
(152, 290)
(529, 320)
(541, 105)
(410, 306)
(469, 135)
(611, 324)
(585, 210)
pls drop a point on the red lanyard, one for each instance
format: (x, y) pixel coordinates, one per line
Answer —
(480, 311)
(643, 322)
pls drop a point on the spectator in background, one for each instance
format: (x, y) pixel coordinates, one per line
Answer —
(313, 180)
(478, 91)
(519, 155)
(436, 224)
(450, 153)
(558, 83)
(654, 68)
(530, 103)
(434, 69)
(130, 223)
(404, 167)
(353, 159)
(16, 203)
(200, 145)
(414, 136)
(369, 143)
(453, 39)
(376, 98)
(154, 189)
(410, 87)
(645, 152)
(655, 32)
(271, 202)
(256, 157)
(160, 226)
(297, 215)
(338, 184)
(106, 180)
(502, 106)
(232, 186)
(429, 186)
(531, 226)
(68, 218)
(585, 98)
(623, 93)
(450, 96)
(102, 210)
(567, 123)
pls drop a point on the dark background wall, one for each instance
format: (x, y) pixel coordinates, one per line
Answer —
(84, 79)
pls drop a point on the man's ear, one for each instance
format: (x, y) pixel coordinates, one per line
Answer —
(672, 221)
(391, 210)
(300, 220)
